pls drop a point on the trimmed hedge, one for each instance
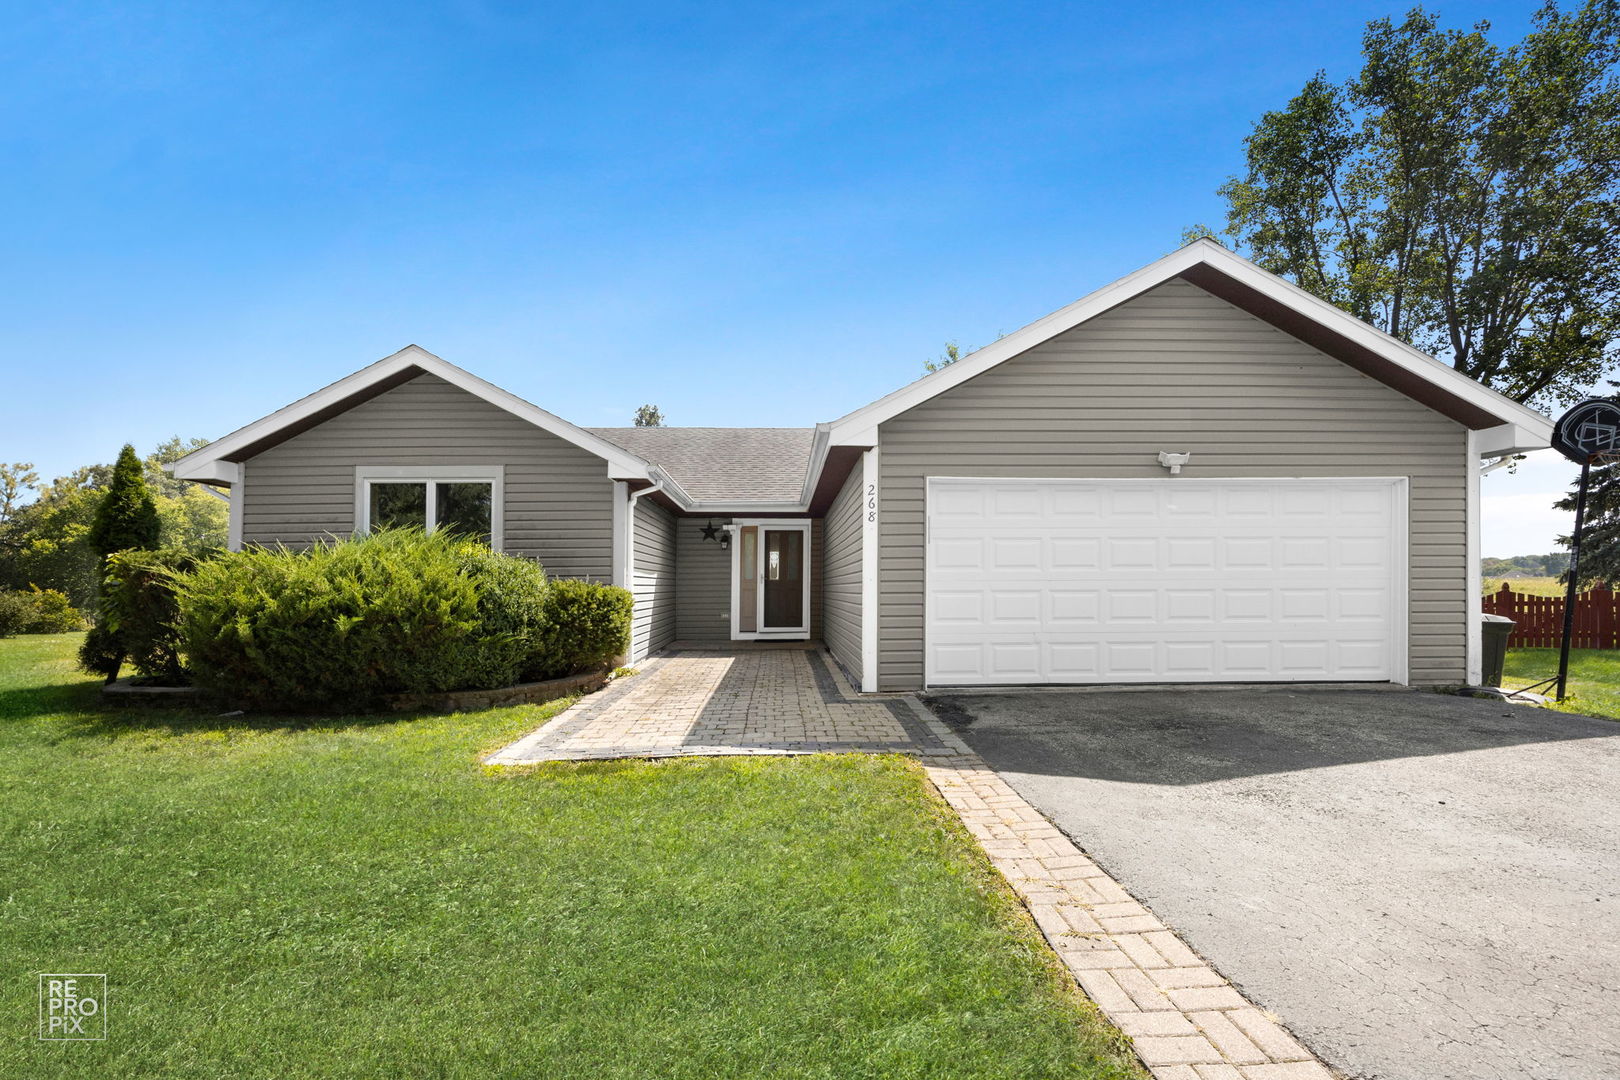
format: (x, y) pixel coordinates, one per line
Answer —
(587, 626)
(346, 624)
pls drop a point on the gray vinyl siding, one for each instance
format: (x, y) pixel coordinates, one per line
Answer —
(654, 579)
(703, 583)
(559, 500)
(841, 576)
(1178, 369)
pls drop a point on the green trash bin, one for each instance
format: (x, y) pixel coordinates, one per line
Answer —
(1495, 632)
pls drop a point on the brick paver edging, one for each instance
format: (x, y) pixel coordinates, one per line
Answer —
(1185, 1021)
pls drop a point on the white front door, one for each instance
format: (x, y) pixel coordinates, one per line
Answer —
(1165, 580)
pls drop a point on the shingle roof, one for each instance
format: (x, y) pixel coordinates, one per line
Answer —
(714, 464)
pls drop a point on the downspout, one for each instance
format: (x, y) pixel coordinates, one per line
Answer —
(658, 478)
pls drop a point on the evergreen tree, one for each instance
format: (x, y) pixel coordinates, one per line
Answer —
(1600, 533)
(126, 518)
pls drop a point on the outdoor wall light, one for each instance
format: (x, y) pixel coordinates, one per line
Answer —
(1173, 462)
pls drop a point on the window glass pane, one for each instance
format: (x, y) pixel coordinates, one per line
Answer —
(774, 554)
(396, 505)
(466, 508)
(748, 554)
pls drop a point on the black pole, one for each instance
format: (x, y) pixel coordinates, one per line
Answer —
(1574, 579)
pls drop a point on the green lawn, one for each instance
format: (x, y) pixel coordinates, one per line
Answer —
(359, 898)
(1594, 678)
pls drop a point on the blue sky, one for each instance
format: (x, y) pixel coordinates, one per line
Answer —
(745, 213)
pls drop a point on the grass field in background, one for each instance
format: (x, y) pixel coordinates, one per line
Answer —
(358, 897)
(1529, 586)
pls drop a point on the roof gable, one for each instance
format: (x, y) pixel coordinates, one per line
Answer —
(1222, 273)
(217, 462)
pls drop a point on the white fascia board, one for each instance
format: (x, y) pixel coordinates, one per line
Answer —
(1509, 439)
(621, 463)
(858, 427)
(735, 508)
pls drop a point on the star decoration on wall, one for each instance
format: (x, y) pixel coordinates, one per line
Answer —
(711, 531)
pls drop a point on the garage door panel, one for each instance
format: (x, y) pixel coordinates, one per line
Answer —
(1175, 580)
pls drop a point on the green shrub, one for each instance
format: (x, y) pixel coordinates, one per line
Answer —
(37, 611)
(587, 626)
(344, 624)
(16, 610)
(139, 611)
(54, 613)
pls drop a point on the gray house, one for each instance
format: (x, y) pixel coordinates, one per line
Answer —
(1198, 473)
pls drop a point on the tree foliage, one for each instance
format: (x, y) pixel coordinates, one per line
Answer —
(127, 515)
(14, 480)
(952, 353)
(1460, 195)
(45, 542)
(649, 416)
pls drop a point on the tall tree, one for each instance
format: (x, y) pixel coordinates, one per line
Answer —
(1457, 194)
(14, 480)
(649, 416)
(1600, 531)
(127, 516)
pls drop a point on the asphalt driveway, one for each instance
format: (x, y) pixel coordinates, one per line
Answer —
(1421, 887)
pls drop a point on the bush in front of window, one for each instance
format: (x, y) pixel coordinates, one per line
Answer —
(345, 624)
(587, 626)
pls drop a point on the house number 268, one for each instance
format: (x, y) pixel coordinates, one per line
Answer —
(871, 502)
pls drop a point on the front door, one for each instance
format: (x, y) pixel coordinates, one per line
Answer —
(782, 586)
(771, 597)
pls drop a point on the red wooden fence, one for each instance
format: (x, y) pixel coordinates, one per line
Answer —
(1540, 619)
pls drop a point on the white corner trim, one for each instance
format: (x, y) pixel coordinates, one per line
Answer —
(233, 532)
(870, 522)
(853, 428)
(624, 527)
(1475, 612)
(621, 463)
(1401, 609)
(428, 475)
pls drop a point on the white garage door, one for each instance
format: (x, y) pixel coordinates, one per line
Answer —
(1165, 580)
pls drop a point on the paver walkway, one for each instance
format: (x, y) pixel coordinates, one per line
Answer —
(1185, 1021)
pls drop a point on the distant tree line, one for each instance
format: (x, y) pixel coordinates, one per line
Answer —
(1522, 566)
(48, 534)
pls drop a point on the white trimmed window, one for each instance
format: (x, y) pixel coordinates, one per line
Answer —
(466, 498)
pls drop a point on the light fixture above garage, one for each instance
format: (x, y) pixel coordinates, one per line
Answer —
(1173, 461)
